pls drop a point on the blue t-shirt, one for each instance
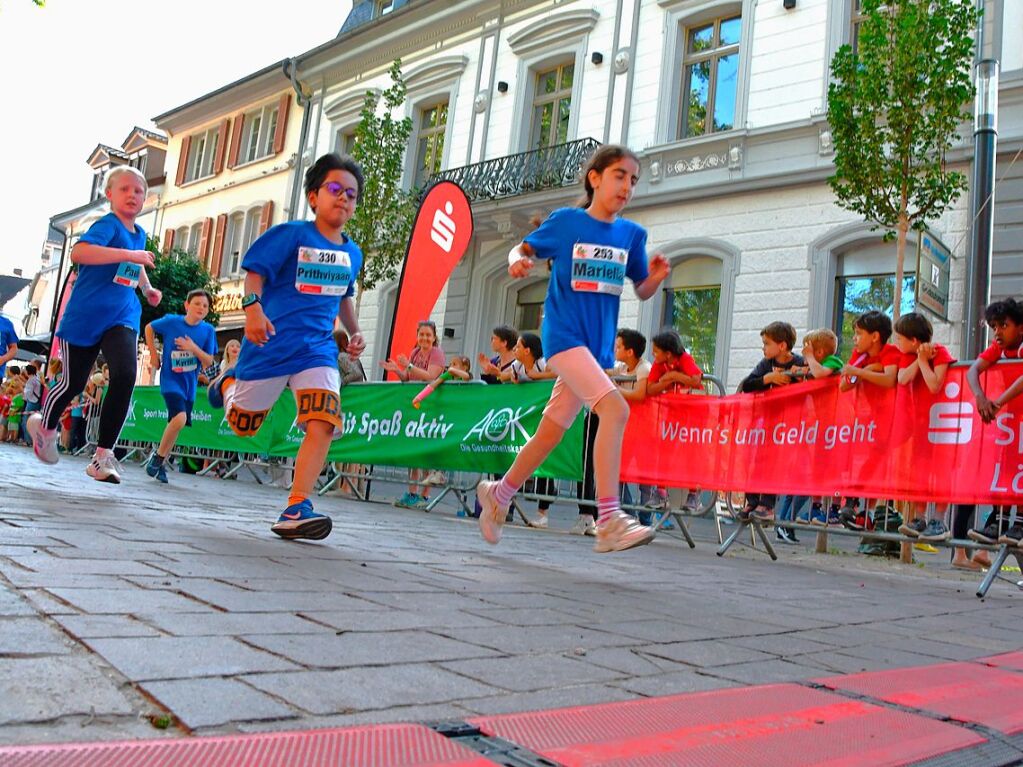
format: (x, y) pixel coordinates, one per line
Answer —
(8, 336)
(590, 261)
(179, 369)
(104, 294)
(305, 276)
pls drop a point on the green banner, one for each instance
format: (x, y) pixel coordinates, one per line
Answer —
(460, 427)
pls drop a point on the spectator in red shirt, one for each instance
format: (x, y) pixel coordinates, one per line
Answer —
(913, 333)
(674, 369)
(873, 359)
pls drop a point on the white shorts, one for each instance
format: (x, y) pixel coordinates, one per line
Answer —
(317, 398)
(581, 381)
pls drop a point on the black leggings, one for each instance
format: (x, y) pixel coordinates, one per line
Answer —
(119, 347)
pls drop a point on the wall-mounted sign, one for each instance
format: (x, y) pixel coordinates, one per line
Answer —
(933, 267)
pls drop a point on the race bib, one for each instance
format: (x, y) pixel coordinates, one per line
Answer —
(598, 268)
(183, 361)
(323, 272)
(128, 274)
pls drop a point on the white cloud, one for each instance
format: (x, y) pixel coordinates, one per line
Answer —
(81, 72)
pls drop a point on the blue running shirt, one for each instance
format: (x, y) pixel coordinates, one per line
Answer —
(8, 336)
(179, 369)
(590, 260)
(104, 294)
(305, 276)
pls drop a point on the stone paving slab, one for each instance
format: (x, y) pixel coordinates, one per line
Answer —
(141, 599)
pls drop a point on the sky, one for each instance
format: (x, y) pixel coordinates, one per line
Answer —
(77, 73)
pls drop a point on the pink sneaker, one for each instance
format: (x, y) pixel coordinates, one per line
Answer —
(491, 515)
(620, 532)
(44, 443)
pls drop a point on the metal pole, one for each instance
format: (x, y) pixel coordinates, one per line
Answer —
(985, 141)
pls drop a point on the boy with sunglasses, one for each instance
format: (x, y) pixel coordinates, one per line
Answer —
(300, 275)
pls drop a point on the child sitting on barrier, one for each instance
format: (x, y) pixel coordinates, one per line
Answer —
(873, 359)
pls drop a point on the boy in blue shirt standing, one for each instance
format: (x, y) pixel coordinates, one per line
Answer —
(300, 276)
(8, 343)
(189, 344)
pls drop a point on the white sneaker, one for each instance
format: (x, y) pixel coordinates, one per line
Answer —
(104, 468)
(539, 522)
(657, 503)
(492, 515)
(44, 443)
(620, 532)
(435, 477)
(584, 526)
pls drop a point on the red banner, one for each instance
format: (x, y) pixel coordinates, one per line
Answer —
(812, 439)
(440, 235)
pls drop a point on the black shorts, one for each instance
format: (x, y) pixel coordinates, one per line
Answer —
(178, 404)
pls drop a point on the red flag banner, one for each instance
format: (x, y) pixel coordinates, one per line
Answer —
(62, 299)
(440, 236)
(812, 439)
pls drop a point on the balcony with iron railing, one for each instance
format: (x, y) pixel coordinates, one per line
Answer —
(552, 167)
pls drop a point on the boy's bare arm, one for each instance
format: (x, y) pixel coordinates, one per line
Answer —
(907, 374)
(884, 378)
(637, 393)
(934, 377)
(458, 373)
(1009, 394)
(985, 407)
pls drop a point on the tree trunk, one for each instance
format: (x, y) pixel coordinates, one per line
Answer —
(900, 262)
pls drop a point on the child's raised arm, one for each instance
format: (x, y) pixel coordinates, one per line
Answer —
(91, 255)
(933, 375)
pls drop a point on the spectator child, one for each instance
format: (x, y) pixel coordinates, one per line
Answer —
(873, 359)
(819, 347)
(5, 408)
(32, 394)
(529, 364)
(17, 386)
(674, 369)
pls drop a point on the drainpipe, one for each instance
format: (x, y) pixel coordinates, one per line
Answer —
(58, 287)
(290, 67)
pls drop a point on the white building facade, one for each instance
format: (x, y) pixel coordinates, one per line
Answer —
(725, 103)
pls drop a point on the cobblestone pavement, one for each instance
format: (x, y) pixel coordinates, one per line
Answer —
(118, 603)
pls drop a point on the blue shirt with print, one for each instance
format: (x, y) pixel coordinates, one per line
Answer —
(590, 260)
(8, 336)
(305, 277)
(103, 296)
(179, 369)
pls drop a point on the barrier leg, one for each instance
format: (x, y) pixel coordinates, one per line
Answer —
(682, 526)
(759, 530)
(740, 527)
(993, 571)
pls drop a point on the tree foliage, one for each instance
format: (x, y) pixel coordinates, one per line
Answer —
(175, 274)
(383, 219)
(895, 107)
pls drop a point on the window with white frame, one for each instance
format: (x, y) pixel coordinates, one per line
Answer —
(552, 106)
(234, 246)
(710, 76)
(692, 298)
(194, 237)
(856, 18)
(344, 141)
(181, 238)
(384, 7)
(258, 139)
(201, 151)
(433, 123)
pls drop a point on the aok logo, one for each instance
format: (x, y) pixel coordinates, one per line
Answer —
(500, 424)
(951, 423)
(443, 230)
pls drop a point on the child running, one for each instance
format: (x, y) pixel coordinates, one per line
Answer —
(189, 344)
(300, 275)
(592, 251)
(102, 314)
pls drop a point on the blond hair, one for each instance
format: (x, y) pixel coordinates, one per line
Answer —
(120, 170)
(822, 340)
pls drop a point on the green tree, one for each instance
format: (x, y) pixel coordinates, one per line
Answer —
(895, 107)
(175, 274)
(383, 219)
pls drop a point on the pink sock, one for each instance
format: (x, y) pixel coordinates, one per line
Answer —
(504, 492)
(605, 508)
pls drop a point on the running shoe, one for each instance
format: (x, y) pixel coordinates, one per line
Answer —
(435, 477)
(215, 391)
(540, 522)
(784, 535)
(584, 525)
(913, 529)
(657, 503)
(1012, 536)
(407, 501)
(300, 521)
(692, 503)
(159, 473)
(988, 535)
(492, 517)
(44, 443)
(420, 502)
(762, 514)
(935, 531)
(849, 519)
(104, 468)
(620, 532)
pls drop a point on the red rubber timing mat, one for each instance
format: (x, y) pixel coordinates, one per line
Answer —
(1010, 660)
(388, 745)
(773, 726)
(965, 692)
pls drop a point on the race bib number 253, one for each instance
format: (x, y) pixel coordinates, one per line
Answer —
(598, 268)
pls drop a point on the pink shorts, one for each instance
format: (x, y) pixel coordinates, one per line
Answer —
(581, 381)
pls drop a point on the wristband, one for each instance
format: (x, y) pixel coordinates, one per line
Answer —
(514, 256)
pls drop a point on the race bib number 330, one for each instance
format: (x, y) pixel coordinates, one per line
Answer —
(323, 272)
(598, 268)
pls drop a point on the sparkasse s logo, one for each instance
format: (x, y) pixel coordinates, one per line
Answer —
(443, 230)
(951, 423)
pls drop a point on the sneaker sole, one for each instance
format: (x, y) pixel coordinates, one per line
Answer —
(313, 530)
(32, 427)
(491, 518)
(936, 538)
(632, 545)
(112, 479)
(973, 535)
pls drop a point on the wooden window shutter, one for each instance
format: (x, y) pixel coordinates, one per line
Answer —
(168, 241)
(186, 143)
(282, 123)
(218, 161)
(266, 216)
(218, 244)
(204, 240)
(236, 139)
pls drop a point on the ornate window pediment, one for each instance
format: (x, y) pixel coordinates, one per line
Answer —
(553, 30)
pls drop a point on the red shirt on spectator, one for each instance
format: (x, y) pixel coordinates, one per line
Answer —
(889, 355)
(683, 364)
(941, 357)
(995, 352)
